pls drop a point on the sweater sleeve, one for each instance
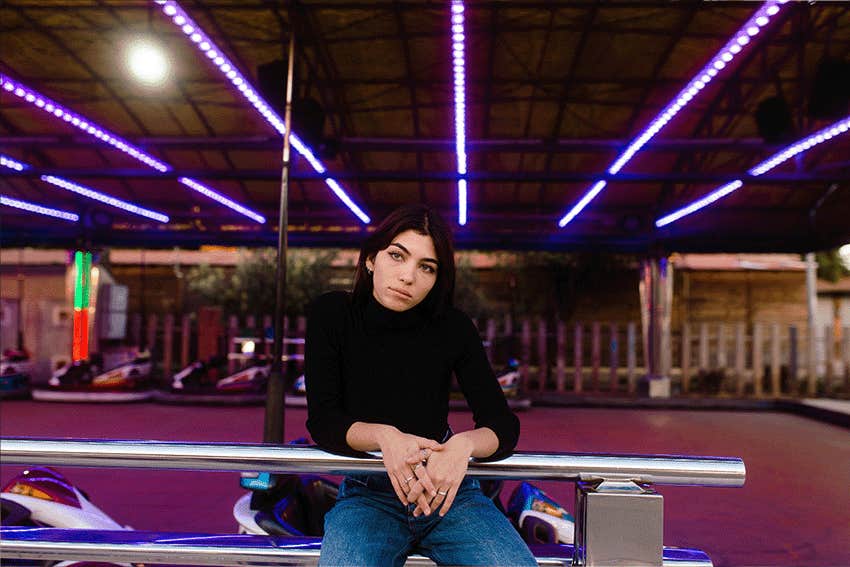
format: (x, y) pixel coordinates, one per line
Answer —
(481, 389)
(327, 419)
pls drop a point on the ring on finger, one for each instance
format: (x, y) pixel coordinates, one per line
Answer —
(408, 479)
(442, 492)
(417, 466)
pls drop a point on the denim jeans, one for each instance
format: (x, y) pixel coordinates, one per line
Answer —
(369, 526)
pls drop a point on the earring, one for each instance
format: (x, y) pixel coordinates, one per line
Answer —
(368, 271)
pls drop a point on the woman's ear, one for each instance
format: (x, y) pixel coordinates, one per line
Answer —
(370, 264)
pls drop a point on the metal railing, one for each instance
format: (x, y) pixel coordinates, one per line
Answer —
(623, 480)
(652, 469)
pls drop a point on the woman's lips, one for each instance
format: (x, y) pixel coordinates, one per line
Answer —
(401, 293)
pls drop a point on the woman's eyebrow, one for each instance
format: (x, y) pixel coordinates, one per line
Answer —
(406, 251)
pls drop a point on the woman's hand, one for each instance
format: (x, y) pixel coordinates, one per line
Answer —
(446, 470)
(403, 455)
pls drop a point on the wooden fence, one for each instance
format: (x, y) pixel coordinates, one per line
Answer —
(586, 357)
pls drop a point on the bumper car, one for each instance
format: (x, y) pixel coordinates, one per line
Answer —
(207, 383)
(297, 395)
(509, 381)
(15, 371)
(42, 497)
(84, 381)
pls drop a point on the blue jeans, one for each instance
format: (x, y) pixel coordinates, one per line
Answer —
(369, 526)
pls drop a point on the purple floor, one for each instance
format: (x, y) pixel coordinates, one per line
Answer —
(793, 510)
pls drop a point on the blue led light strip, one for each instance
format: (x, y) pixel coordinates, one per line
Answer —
(15, 165)
(459, 67)
(779, 157)
(228, 69)
(735, 46)
(40, 209)
(58, 111)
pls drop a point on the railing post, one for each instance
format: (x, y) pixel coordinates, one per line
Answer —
(740, 357)
(560, 346)
(775, 358)
(577, 359)
(232, 332)
(595, 356)
(526, 349)
(828, 353)
(614, 358)
(542, 354)
(150, 335)
(490, 338)
(168, 346)
(845, 356)
(185, 332)
(631, 356)
(721, 347)
(793, 360)
(686, 358)
(617, 520)
(704, 360)
(758, 367)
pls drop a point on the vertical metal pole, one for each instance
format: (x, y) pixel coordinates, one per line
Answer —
(656, 292)
(273, 425)
(811, 299)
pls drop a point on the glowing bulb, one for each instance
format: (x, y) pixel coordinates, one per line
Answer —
(147, 62)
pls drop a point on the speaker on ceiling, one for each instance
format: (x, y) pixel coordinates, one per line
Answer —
(773, 118)
(829, 97)
(308, 116)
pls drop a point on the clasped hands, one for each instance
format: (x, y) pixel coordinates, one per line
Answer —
(425, 472)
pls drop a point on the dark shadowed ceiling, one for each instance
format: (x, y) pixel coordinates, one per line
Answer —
(555, 91)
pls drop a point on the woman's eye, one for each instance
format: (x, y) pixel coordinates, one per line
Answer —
(395, 255)
(428, 269)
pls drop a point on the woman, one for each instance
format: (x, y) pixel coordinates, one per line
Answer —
(378, 369)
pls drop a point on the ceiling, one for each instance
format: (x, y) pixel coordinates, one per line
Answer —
(555, 91)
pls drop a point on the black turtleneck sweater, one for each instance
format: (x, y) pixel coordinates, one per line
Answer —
(369, 363)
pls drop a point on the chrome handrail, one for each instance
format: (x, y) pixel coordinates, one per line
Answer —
(54, 544)
(241, 457)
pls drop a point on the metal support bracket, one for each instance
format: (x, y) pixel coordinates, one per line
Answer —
(618, 523)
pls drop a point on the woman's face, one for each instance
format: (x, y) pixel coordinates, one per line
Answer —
(405, 271)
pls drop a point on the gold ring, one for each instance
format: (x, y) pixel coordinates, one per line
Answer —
(442, 493)
(407, 480)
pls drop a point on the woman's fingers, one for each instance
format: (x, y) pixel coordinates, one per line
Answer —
(398, 491)
(450, 498)
(425, 479)
(416, 490)
(425, 443)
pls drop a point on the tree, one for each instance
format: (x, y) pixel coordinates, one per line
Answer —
(249, 288)
(831, 265)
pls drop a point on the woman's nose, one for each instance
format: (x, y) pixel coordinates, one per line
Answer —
(406, 275)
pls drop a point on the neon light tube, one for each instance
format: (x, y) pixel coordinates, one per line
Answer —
(228, 69)
(39, 209)
(103, 198)
(734, 47)
(6, 161)
(779, 157)
(57, 110)
(92, 129)
(204, 190)
(459, 66)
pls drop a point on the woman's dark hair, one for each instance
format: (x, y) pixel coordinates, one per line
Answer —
(423, 220)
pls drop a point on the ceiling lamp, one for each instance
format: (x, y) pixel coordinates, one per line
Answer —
(39, 209)
(459, 66)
